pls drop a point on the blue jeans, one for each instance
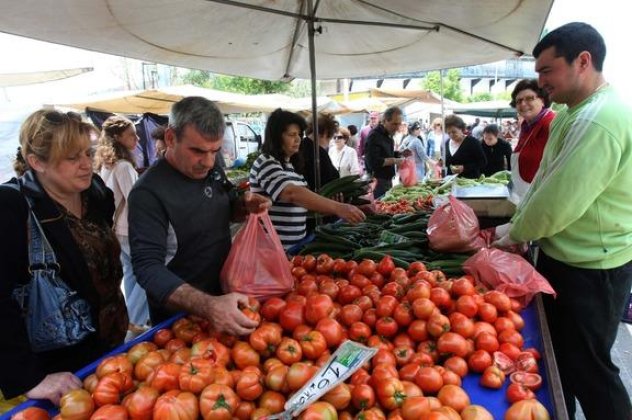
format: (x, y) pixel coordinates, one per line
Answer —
(135, 297)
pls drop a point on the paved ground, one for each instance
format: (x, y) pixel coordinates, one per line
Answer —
(622, 357)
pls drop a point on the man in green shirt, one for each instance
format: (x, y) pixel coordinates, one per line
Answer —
(579, 208)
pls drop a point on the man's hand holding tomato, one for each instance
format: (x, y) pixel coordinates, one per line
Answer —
(225, 314)
(53, 386)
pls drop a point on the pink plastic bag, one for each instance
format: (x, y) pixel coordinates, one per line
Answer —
(257, 265)
(508, 273)
(453, 227)
(408, 172)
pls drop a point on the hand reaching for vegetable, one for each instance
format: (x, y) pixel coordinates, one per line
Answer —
(350, 213)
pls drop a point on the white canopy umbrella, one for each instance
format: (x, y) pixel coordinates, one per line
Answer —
(284, 39)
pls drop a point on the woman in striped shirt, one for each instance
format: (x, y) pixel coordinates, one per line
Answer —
(274, 176)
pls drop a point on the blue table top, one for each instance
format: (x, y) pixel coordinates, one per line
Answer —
(493, 400)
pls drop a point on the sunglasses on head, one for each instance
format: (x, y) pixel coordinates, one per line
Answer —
(55, 117)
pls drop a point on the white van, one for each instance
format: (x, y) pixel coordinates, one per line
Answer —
(239, 140)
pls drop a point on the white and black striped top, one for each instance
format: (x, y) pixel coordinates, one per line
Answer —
(268, 177)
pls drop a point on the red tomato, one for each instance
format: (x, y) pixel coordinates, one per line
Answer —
(493, 377)
(140, 403)
(76, 404)
(385, 266)
(292, 316)
(272, 307)
(511, 336)
(454, 397)
(386, 327)
(349, 314)
(393, 289)
(415, 267)
(533, 381)
(403, 355)
(462, 287)
(31, 413)
(451, 343)
(249, 386)
(164, 378)
(476, 412)
(289, 351)
(498, 299)
(440, 297)
(162, 337)
(313, 345)
(415, 408)
(429, 380)
(390, 393)
(423, 308)
(272, 401)
(364, 302)
(111, 364)
(517, 392)
(331, 330)
(417, 330)
(527, 409)
(369, 317)
(486, 341)
(525, 362)
(217, 402)
(403, 314)
(457, 365)
(359, 331)
(211, 349)
(479, 361)
(367, 267)
(299, 374)
(418, 290)
(516, 319)
(359, 280)
(317, 307)
(348, 294)
(386, 306)
(110, 412)
(363, 396)
(504, 362)
(437, 325)
(466, 305)
(510, 350)
(339, 397)
(487, 312)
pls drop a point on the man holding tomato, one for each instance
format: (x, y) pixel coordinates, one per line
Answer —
(179, 216)
(579, 208)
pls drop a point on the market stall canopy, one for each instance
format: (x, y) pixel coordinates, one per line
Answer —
(159, 101)
(29, 78)
(490, 109)
(269, 39)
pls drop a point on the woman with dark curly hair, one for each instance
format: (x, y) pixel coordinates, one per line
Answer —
(274, 176)
(532, 104)
(114, 159)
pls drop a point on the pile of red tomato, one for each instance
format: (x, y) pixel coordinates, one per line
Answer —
(430, 332)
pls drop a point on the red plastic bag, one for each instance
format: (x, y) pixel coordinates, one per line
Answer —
(408, 172)
(508, 273)
(257, 265)
(453, 227)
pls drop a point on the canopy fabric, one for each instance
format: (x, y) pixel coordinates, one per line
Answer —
(489, 109)
(29, 78)
(269, 39)
(159, 101)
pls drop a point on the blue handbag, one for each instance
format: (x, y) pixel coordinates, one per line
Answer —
(55, 315)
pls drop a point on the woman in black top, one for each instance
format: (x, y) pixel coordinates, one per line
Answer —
(463, 154)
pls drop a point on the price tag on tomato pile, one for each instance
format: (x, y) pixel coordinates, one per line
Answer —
(348, 358)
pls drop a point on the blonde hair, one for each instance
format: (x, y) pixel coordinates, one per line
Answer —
(344, 133)
(51, 136)
(109, 151)
(436, 121)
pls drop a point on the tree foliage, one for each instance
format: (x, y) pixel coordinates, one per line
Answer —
(451, 84)
(235, 84)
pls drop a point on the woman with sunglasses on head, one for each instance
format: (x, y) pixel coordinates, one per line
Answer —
(114, 160)
(344, 157)
(75, 209)
(532, 104)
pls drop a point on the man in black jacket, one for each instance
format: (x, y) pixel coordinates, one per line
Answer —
(380, 156)
(497, 151)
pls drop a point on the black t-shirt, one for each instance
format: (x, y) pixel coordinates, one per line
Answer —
(328, 171)
(498, 157)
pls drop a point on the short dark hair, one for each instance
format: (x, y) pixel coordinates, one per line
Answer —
(327, 125)
(454, 121)
(352, 129)
(391, 112)
(277, 123)
(158, 133)
(571, 39)
(530, 84)
(491, 129)
(201, 113)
